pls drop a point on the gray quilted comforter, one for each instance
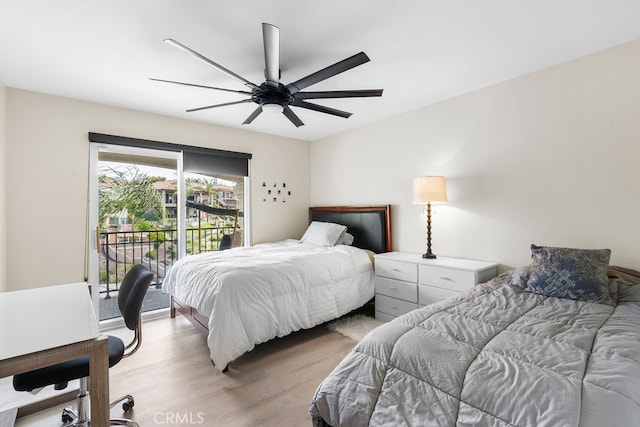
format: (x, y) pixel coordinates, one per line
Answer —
(495, 356)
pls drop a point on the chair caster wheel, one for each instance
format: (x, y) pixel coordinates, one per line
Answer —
(126, 406)
(67, 417)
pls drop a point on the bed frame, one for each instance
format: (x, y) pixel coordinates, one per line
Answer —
(369, 225)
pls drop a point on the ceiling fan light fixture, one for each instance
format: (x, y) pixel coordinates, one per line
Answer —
(273, 108)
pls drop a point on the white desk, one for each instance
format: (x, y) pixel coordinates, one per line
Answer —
(44, 326)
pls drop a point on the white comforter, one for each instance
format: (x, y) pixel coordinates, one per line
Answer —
(253, 294)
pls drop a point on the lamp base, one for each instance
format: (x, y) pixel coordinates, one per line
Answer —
(429, 255)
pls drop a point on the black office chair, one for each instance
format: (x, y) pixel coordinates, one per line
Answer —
(225, 242)
(132, 291)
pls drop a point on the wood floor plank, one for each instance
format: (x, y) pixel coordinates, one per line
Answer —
(174, 383)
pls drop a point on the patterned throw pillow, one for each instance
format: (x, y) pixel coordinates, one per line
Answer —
(322, 233)
(578, 274)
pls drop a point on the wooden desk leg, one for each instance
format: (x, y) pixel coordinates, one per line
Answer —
(99, 382)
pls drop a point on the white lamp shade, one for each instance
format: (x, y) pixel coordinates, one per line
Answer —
(429, 189)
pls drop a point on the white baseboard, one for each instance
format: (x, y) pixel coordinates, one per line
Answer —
(118, 322)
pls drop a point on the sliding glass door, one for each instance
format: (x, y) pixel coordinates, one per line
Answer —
(138, 210)
(152, 207)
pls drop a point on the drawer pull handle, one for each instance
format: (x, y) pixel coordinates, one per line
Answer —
(393, 288)
(396, 269)
(394, 306)
(446, 278)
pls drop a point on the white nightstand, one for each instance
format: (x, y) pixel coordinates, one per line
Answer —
(406, 281)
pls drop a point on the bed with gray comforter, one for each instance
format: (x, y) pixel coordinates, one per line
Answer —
(498, 355)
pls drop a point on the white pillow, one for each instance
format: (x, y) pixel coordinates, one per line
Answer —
(345, 239)
(323, 233)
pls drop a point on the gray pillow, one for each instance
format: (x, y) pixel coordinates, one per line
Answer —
(345, 239)
(323, 233)
(578, 274)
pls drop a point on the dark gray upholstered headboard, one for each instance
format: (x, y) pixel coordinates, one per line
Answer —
(370, 225)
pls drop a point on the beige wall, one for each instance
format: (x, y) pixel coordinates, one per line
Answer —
(3, 227)
(551, 158)
(47, 155)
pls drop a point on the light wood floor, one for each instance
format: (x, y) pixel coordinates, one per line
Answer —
(174, 383)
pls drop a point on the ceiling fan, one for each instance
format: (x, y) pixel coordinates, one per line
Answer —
(272, 93)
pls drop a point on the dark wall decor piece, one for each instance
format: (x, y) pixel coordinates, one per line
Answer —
(275, 192)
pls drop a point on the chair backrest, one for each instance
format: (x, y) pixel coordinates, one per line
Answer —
(225, 242)
(132, 291)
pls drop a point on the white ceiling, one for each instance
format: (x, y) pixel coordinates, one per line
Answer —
(421, 51)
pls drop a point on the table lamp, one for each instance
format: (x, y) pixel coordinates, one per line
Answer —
(429, 189)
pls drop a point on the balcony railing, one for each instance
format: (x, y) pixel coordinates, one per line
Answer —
(156, 249)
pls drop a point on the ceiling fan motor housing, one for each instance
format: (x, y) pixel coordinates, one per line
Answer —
(270, 94)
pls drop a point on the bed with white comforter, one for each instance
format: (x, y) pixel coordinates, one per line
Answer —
(498, 355)
(253, 294)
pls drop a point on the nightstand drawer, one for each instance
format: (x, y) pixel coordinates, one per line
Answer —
(457, 280)
(429, 294)
(392, 306)
(397, 289)
(384, 316)
(396, 270)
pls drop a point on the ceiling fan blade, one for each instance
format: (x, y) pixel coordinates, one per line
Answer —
(219, 105)
(210, 62)
(271, 37)
(253, 115)
(339, 94)
(292, 116)
(202, 86)
(321, 108)
(330, 71)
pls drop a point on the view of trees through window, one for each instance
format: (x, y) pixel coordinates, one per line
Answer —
(137, 213)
